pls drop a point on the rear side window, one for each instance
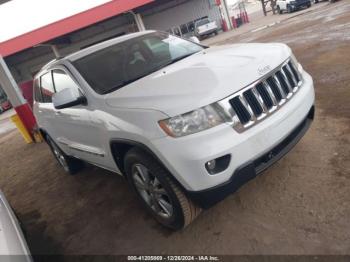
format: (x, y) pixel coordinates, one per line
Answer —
(62, 80)
(37, 93)
(47, 89)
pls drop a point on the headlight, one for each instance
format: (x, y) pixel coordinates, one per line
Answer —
(192, 122)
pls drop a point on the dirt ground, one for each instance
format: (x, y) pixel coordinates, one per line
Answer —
(299, 206)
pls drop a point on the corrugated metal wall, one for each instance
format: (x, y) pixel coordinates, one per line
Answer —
(178, 12)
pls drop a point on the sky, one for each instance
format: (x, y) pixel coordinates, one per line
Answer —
(21, 16)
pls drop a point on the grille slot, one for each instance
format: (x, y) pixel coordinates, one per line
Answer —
(283, 82)
(264, 95)
(240, 109)
(274, 88)
(294, 71)
(253, 102)
(289, 76)
(259, 100)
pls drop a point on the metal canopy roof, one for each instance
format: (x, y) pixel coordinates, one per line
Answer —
(68, 25)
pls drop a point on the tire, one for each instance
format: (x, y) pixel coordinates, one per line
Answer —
(309, 5)
(161, 196)
(70, 164)
(289, 9)
(216, 32)
(315, 1)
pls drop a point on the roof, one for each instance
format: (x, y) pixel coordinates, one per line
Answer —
(68, 25)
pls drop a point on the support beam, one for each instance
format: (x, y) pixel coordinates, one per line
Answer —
(17, 100)
(226, 14)
(10, 86)
(138, 20)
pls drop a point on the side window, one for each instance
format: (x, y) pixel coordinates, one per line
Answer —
(47, 89)
(37, 93)
(62, 80)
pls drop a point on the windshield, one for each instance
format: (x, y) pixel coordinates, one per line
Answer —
(118, 65)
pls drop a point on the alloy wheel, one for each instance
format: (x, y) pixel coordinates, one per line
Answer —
(152, 191)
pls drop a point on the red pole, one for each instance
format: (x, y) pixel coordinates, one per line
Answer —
(224, 26)
(16, 98)
(234, 23)
(247, 17)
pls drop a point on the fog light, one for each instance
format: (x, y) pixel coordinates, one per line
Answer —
(218, 165)
(210, 165)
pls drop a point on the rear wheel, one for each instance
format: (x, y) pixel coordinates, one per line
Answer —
(161, 196)
(70, 165)
(289, 9)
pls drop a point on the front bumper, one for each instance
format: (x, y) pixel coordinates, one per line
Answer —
(207, 198)
(185, 157)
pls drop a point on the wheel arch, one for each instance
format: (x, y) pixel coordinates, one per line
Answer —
(120, 147)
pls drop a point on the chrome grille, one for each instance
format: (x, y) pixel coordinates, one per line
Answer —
(261, 99)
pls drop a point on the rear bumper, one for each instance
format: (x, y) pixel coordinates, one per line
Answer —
(208, 32)
(208, 197)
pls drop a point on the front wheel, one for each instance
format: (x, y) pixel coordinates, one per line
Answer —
(161, 196)
(289, 9)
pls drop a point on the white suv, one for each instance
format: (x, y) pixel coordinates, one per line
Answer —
(185, 124)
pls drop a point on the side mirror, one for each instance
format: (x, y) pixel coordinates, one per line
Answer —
(194, 39)
(68, 97)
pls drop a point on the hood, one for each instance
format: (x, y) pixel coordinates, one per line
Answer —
(201, 79)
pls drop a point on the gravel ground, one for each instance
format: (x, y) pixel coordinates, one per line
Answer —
(299, 206)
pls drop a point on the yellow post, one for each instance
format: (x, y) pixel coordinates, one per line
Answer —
(22, 129)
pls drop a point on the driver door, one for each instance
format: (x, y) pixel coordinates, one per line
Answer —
(76, 133)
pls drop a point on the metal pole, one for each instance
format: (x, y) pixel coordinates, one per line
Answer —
(22, 108)
(10, 86)
(227, 14)
(139, 21)
(55, 51)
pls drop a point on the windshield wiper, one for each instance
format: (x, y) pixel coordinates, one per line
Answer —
(177, 59)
